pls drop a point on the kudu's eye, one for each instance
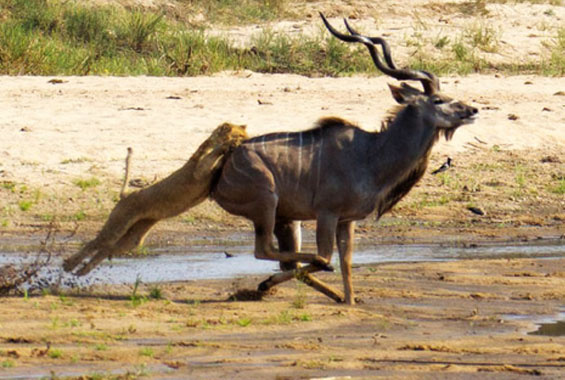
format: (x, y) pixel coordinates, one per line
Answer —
(438, 101)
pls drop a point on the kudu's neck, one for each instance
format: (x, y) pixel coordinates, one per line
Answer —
(406, 144)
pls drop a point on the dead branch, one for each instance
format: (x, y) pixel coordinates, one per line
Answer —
(126, 174)
(12, 277)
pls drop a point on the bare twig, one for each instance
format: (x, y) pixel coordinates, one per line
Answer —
(12, 277)
(126, 174)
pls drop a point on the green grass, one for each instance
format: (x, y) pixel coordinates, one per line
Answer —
(43, 37)
(147, 351)
(101, 347)
(81, 215)
(156, 293)
(465, 53)
(8, 364)
(557, 60)
(25, 205)
(10, 186)
(559, 188)
(299, 300)
(244, 322)
(136, 299)
(483, 37)
(232, 12)
(87, 183)
(55, 354)
(75, 160)
(48, 37)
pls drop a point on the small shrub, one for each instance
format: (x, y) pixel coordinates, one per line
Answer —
(78, 160)
(136, 299)
(557, 59)
(299, 301)
(85, 25)
(101, 347)
(87, 183)
(483, 37)
(8, 364)
(284, 318)
(559, 188)
(520, 176)
(138, 28)
(241, 11)
(10, 186)
(25, 205)
(441, 42)
(36, 15)
(244, 322)
(156, 293)
(55, 353)
(81, 215)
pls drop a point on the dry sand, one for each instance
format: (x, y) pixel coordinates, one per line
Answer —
(93, 120)
(427, 320)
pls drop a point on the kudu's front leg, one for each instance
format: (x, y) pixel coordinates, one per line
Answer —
(345, 235)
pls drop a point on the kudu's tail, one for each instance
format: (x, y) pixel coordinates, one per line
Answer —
(135, 214)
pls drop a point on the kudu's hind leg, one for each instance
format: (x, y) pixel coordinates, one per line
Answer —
(325, 238)
(289, 237)
(303, 274)
(264, 222)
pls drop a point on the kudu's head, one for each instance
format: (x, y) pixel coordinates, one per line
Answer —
(439, 111)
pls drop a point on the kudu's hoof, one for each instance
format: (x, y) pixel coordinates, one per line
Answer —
(263, 287)
(323, 265)
(288, 265)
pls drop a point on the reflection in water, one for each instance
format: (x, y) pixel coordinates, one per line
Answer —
(550, 329)
(553, 326)
(547, 325)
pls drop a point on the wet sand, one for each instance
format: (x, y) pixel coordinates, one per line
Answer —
(466, 319)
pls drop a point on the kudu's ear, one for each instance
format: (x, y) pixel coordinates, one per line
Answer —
(404, 94)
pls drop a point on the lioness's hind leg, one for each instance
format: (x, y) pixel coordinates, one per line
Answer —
(132, 239)
(73, 261)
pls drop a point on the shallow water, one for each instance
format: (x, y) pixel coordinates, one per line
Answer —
(556, 328)
(546, 325)
(209, 262)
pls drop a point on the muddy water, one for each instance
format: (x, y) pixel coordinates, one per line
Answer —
(546, 325)
(556, 328)
(211, 262)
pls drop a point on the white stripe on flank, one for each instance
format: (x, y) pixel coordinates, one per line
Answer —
(263, 144)
(310, 158)
(299, 160)
(287, 145)
(234, 166)
(320, 148)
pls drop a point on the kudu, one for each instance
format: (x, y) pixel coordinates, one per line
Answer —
(335, 173)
